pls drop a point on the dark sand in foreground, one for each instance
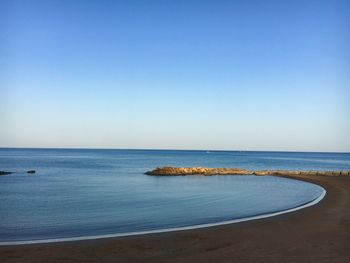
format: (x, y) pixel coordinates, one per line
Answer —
(320, 233)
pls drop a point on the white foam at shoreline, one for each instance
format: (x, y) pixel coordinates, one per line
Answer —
(54, 240)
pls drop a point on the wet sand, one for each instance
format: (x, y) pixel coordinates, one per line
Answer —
(320, 233)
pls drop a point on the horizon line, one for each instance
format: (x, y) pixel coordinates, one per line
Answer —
(160, 149)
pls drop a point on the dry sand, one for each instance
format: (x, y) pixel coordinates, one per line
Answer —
(320, 233)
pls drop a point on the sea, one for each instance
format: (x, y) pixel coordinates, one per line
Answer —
(90, 193)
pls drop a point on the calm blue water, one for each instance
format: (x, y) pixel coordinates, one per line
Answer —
(95, 192)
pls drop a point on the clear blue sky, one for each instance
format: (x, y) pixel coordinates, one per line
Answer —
(235, 75)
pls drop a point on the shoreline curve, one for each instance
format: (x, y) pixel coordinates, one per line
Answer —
(166, 230)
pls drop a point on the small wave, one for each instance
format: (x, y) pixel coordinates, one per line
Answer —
(69, 239)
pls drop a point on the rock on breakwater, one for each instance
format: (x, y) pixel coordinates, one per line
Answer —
(178, 171)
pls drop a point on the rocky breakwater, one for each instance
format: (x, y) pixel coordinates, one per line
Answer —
(181, 171)
(5, 173)
(196, 170)
(8, 172)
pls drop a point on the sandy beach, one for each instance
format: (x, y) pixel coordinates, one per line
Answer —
(320, 233)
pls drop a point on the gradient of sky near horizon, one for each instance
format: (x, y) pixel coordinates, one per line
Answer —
(231, 75)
